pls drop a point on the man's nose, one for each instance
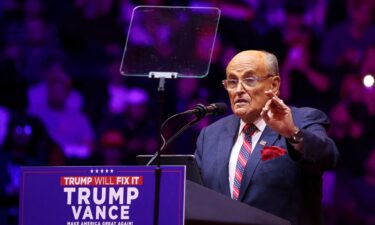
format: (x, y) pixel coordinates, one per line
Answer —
(239, 87)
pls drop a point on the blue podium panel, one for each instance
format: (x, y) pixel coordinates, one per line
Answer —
(115, 195)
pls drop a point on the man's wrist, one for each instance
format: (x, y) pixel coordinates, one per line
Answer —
(296, 137)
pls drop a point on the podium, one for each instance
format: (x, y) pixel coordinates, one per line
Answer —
(124, 195)
(207, 207)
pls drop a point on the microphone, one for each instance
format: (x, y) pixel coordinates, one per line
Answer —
(215, 109)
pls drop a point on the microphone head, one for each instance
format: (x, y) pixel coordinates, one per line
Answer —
(218, 108)
(200, 110)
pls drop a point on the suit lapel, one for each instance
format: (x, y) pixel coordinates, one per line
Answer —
(226, 142)
(268, 137)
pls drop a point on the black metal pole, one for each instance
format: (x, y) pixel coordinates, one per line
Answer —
(158, 171)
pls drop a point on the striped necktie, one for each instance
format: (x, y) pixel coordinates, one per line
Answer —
(243, 157)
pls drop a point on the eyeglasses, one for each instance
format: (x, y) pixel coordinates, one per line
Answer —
(252, 81)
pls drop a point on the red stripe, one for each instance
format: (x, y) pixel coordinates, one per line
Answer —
(247, 146)
(238, 175)
(241, 160)
(235, 192)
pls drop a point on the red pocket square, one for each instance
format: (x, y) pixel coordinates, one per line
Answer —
(271, 152)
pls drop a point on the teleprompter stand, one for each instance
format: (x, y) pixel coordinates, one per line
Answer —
(161, 44)
(158, 171)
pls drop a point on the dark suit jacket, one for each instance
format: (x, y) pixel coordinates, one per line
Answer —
(288, 186)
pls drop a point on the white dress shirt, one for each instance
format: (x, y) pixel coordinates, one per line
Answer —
(260, 124)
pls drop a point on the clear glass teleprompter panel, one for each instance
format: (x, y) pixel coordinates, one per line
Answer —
(165, 40)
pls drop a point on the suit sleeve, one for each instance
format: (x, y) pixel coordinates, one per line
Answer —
(319, 152)
(199, 148)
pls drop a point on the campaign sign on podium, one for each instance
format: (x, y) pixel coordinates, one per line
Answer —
(116, 195)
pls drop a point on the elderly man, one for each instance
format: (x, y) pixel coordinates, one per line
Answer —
(267, 154)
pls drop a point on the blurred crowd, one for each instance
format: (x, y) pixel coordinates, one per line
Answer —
(63, 100)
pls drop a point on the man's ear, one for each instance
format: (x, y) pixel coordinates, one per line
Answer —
(275, 85)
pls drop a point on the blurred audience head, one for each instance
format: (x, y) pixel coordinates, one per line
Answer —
(368, 64)
(92, 9)
(33, 8)
(370, 164)
(36, 31)
(25, 138)
(360, 12)
(59, 85)
(112, 70)
(187, 88)
(112, 146)
(295, 29)
(137, 108)
(352, 88)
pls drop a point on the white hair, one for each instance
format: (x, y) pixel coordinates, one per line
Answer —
(271, 63)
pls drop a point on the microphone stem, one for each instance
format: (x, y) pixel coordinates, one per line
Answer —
(166, 143)
(199, 111)
(183, 129)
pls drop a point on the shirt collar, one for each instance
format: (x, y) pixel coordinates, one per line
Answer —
(259, 123)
